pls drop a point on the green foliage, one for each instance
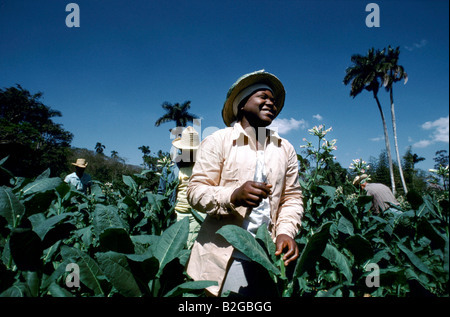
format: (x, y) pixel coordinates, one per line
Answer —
(340, 240)
(410, 246)
(29, 135)
(344, 246)
(116, 241)
(109, 170)
(125, 241)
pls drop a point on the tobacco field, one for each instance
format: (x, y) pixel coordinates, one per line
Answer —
(121, 240)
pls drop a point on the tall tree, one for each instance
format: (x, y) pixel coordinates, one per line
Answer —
(394, 73)
(379, 168)
(114, 154)
(146, 157)
(99, 148)
(410, 160)
(441, 158)
(29, 136)
(367, 73)
(178, 113)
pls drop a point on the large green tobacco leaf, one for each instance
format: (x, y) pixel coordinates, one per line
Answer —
(329, 190)
(347, 213)
(145, 266)
(415, 259)
(345, 226)
(41, 185)
(171, 243)
(313, 249)
(19, 289)
(129, 181)
(145, 241)
(263, 235)
(38, 202)
(107, 217)
(446, 257)
(116, 268)
(111, 229)
(90, 271)
(243, 241)
(429, 230)
(360, 247)
(188, 286)
(343, 264)
(26, 249)
(116, 239)
(155, 201)
(33, 281)
(42, 226)
(10, 206)
(57, 291)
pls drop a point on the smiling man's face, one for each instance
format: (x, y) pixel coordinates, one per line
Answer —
(260, 109)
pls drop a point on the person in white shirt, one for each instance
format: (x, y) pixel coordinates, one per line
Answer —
(79, 179)
(245, 175)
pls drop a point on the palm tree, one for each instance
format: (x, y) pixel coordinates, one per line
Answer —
(367, 73)
(178, 113)
(393, 74)
(99, 148)
(412, 158)
(146, 157)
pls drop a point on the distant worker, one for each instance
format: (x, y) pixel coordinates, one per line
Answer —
(79, 179)
(187, 146)
(381, 194)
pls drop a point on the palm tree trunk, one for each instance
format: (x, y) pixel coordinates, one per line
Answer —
(394, 127)
(388, 146)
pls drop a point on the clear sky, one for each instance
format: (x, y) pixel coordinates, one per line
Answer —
(110, 75)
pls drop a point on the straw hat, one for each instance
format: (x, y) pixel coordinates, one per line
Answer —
(81, 162)
(247, 80)
(361, 179)
(189, 140)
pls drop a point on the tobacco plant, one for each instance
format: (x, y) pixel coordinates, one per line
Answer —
(346, 250)
(119, 240)
(123, 240)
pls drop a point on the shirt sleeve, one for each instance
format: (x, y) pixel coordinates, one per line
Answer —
(205, 192)
(291, 203)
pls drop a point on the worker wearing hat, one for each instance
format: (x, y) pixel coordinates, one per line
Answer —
(79, 179)
(246, 175)
(383, 198)
(186, 146)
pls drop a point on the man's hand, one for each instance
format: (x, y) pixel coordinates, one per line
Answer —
(283, 242)
(250, 194)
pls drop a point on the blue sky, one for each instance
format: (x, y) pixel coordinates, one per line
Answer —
(110, 76)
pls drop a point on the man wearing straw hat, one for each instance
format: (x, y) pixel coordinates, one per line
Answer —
(383, 198)
(187, 146)
(79, 179)
(246, 175)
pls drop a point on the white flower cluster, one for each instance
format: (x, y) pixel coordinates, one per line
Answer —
(359, 166)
